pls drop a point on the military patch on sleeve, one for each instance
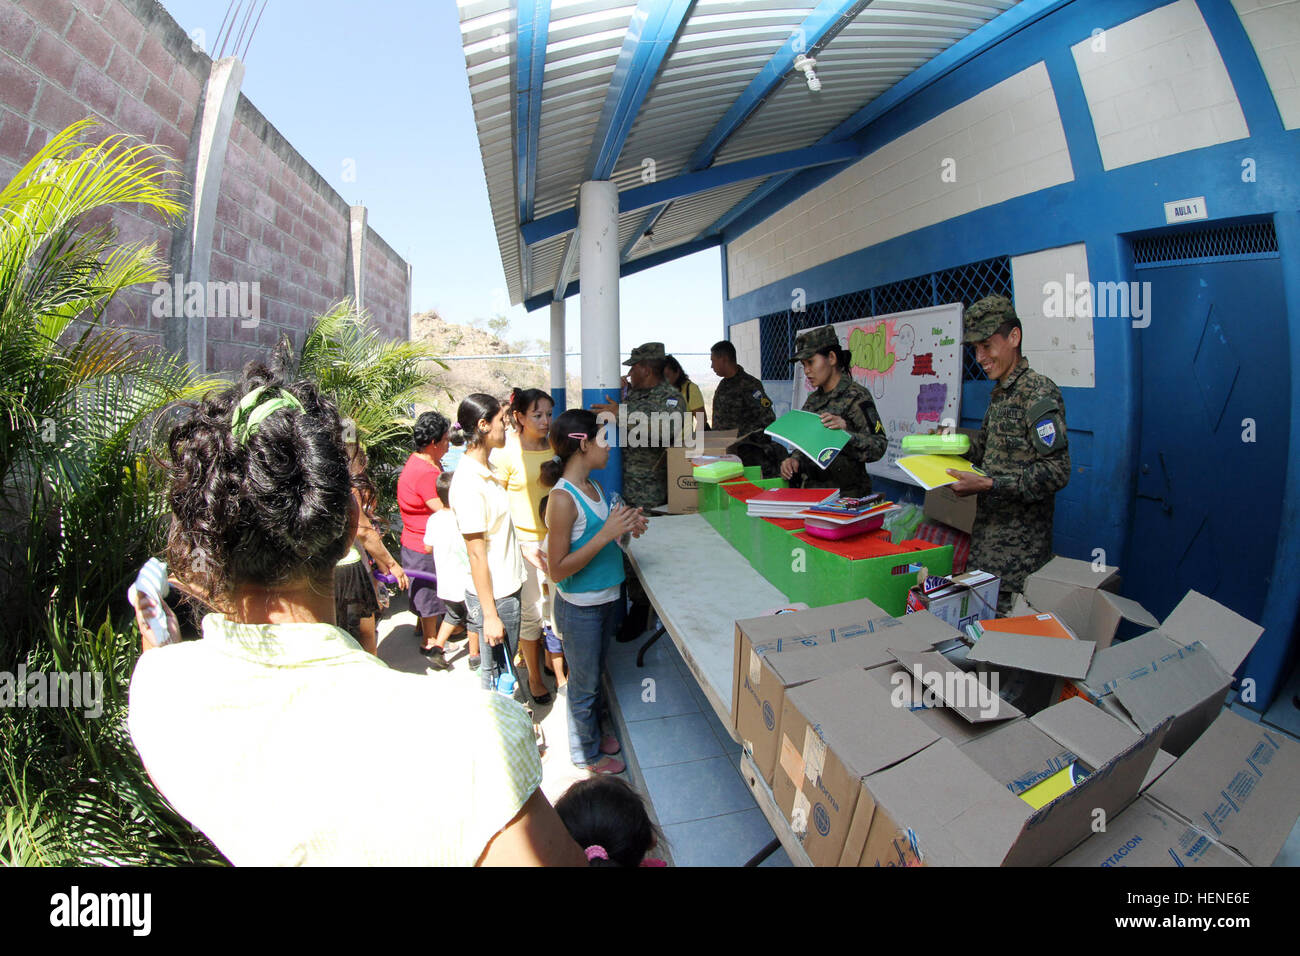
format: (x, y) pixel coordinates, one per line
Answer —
(671, 402)
(872, 416)
(1046, 427)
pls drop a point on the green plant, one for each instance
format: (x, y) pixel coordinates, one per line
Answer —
(79, 510)
(375, 382)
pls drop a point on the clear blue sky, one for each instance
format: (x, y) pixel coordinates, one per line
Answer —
(383, 83)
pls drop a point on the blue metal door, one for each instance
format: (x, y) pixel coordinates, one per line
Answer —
(1215, 390)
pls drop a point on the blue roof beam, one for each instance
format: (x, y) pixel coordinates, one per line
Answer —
(818, 29)
(690, 184)
(532, 26)
(651, 32)
(996, 30)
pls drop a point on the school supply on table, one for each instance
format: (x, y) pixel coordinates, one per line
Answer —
(716, 471)
(957, 444)
(822, 523)
(850, 507)
(931, 471)
(805, 431)
(787, 502)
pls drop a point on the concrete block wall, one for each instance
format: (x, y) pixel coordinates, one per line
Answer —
(1156, 85)
(130, 66)
(1274, 31)
(1058, 345)
(745, 337)
(1005, 141)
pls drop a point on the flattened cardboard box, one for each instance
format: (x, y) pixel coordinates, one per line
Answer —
(1058, 656)
(834, 731)
(942, 808)
(761, 702)
(1184, 669)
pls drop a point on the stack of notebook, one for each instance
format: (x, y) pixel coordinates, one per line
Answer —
(788, 502)
(846, 517)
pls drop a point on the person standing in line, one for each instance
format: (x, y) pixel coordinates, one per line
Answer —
(741, 402)
(587, 566)
(417, 497)
(478, 497)
(519, 464)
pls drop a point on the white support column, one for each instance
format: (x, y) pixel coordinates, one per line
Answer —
(355, 280)
(558, 378)
(598, 261)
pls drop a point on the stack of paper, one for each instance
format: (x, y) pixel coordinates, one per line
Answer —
(868, 520)
(788, 502)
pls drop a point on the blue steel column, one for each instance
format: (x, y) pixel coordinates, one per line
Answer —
(598, 261)
(558, 380)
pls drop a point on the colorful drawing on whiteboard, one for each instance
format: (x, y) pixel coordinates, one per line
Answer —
(911, 364)
(930, 401)
(870, 350)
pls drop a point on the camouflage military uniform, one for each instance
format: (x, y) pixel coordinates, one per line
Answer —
(867, 440)
(740, 402)
(645, 470)
(1022, 447)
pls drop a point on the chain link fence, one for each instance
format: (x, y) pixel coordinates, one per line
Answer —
(964, 284)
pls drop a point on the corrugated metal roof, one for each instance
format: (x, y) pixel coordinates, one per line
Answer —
(720, 49)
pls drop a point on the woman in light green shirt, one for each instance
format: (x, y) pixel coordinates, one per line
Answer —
(263, 733)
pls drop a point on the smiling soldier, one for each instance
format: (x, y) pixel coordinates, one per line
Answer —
(1021, 446)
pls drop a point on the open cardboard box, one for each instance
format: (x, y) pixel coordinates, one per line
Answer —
(949, 805)
(945, 507)
(683, 494)
(1061, 577)
(775, 653)
(1231, 799)
(1184, 669)
(972, 596)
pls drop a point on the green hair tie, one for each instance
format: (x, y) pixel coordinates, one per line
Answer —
(251, 412)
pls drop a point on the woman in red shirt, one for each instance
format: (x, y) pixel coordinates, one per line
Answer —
(417, 497)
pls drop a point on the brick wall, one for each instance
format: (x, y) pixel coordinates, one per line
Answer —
(130, 66)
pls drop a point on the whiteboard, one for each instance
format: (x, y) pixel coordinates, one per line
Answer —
(911, 363)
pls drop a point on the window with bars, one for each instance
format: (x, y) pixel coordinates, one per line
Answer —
(1242, 241)
(965, 284)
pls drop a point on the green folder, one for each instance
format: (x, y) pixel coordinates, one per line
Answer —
(805, 431)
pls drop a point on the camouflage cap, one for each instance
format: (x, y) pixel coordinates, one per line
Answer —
(986, 316)
(811, 342)
(648, 352)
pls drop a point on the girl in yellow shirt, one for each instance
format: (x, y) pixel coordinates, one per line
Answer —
(519, 464)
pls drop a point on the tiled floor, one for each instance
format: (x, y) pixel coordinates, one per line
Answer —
(688, 762)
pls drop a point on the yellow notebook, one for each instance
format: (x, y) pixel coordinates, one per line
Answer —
(931, 471)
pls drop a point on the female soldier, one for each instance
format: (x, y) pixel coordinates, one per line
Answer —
(842, 404)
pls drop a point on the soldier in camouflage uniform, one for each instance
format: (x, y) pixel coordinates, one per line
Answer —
(1021, 445)
(645, 469)
(741, 402)
(842, 404)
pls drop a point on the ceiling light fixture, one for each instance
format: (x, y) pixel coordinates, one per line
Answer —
(806, 64)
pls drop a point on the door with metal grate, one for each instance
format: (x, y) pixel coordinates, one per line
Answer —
(1215, 405)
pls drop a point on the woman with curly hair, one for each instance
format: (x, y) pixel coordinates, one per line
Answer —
(263, 733)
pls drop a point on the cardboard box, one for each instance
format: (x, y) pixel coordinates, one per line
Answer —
(1095, 615)
(683, 494)
(972, 596)
(1239, 783)
(942, 807)
(1147, 834)
(834, 731)
(897, 680)
(1060, 577)
(945, 507)
(774, 654)
(1183, 670)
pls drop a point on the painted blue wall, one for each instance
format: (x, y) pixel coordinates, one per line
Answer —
(1098, 209)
